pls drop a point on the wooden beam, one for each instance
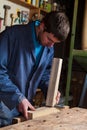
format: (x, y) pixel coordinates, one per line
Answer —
(54, 82)
(23, 3)
(39, 112)
(43, 111)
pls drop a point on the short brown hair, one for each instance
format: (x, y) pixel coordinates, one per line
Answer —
(58, 24)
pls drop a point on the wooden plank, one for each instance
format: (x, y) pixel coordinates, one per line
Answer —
(39, 112)
(18, 120)
(43, 111)
(66, 119)
(22, 3)
(54, 82)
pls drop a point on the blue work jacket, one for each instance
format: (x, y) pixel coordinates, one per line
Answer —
(19, 78)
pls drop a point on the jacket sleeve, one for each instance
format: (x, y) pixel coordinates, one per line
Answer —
(46, 75)
(9, 92)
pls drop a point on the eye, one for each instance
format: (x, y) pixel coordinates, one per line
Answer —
(50, 40)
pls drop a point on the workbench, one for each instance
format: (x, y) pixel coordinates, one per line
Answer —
(65, 119)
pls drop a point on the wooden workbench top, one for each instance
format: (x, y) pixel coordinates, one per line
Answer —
(66, 119)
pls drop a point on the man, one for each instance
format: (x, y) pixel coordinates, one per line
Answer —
(26, 53)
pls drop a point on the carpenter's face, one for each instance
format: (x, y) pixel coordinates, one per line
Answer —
(47, 39)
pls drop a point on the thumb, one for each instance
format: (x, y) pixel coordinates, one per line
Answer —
(25, 113)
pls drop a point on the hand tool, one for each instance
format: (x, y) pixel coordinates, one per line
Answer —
(13, 17)
(6, 8)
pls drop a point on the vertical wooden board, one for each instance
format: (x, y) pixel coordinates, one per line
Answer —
(54, 82)
(84, 33)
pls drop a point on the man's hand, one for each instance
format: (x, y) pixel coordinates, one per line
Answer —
(23, 107)
(58, 97)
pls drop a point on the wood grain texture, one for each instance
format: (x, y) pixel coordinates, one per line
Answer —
(54, 82)
(43, 111)
(39, 112)
(66, 119)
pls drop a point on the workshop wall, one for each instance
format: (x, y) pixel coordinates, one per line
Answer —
(13, 10)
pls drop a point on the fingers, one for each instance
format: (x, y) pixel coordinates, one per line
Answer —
(58, 97)
(23, 107)
(31, 107)
(25, 113)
